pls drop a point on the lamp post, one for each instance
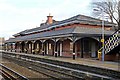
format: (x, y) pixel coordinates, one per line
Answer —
(102, 40)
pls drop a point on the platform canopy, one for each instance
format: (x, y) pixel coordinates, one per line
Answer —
(67, 32)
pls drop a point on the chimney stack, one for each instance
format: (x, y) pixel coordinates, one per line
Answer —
(49, 19)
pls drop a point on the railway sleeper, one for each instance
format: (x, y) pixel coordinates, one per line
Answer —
(63, 71)
(38, 67)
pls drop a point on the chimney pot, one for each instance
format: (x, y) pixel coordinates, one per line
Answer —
(49, 19)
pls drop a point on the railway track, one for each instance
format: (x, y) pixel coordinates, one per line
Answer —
(10, 74)
(54, 71)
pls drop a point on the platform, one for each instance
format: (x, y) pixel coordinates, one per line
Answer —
(84, 61)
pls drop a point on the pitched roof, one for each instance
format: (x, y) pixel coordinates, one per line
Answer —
(75, 19)
(93, 31)
(74, 30)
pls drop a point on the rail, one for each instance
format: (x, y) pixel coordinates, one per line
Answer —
(53, 73)
(9, 73)
(52, 70)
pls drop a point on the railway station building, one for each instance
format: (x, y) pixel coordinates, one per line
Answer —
(79, 35)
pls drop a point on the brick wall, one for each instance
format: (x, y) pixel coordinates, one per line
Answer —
(77, 49)
(110, 57)
(66, 49)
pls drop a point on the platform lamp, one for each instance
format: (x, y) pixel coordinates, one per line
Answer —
(102, 40)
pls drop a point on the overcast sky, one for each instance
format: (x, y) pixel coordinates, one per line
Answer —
(18, 15)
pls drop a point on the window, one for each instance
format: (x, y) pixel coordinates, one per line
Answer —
(29, 46)
(71, 46)
(37, 45)
(50, 46)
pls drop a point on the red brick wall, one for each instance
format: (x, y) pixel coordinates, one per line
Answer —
(77, 49)
(66, 49)
(50, 52)
(80, 25)
(49, 19)
(110, 57)
(69, 53)
(86, 55)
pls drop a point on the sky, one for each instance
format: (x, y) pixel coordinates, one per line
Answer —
(18, 15)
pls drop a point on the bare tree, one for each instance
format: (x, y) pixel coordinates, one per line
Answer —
(119, 15)
(110, 8)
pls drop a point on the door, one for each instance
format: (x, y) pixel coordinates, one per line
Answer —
(93, 50)
(47, 47)
(60, 49)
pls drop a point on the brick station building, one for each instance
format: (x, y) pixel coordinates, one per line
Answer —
(79, 35)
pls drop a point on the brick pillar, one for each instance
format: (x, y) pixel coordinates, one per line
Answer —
(81, 48)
